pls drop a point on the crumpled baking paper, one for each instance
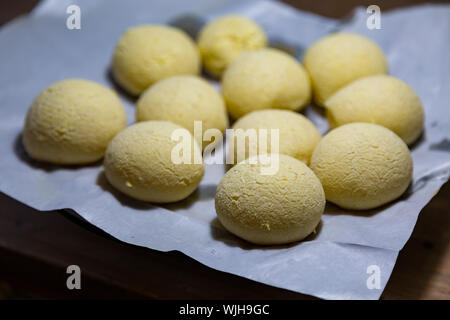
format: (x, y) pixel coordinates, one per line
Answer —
(335, 263)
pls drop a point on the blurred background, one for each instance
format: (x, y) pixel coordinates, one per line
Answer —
(35, 249)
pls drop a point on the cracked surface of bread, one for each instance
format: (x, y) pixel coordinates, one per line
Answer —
(265, 79)
(297, 135)
(138, 162)
(270, 209)
(183, 100)
(221, 41)
(72, 121)
(146, 54)
(382, 100)
(362, 166)
(340, 58)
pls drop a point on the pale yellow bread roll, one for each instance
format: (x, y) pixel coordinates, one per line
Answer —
(297, 135)
(148, 53)
(139, 163)
(340, 58)
(72, 122)
(183, 100)
(270, 209)
(382, 100)
(224, 39)
(362, 166)
(265, 79)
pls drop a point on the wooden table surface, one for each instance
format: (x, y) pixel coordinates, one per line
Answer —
(36, 247)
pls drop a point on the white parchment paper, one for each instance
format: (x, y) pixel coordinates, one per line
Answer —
(39, 50)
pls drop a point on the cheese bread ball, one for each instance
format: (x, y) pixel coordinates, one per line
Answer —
(223, 40)
(148, 53)
(265, 79)
(72, 121)
(270, 209)
(139, 163)
(380, 99)
(362, 166)
(338, 59)
(297, 135)
(183, 100)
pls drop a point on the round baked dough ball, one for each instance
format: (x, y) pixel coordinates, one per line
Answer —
(382, 100)
(72, 122)
(265, 79)
(183, 100)
(139, 162)
(148, 53)
(362, 166)
(270, 209)
(223, 40)
(297, 135)
(338, 59)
